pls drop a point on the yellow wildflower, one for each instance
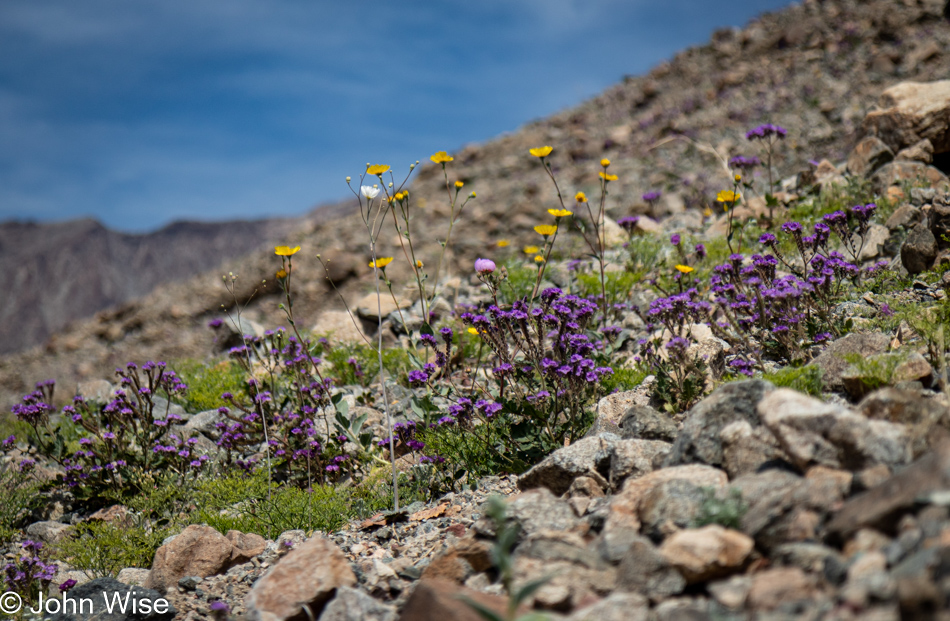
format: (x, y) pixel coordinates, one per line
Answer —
(418, 263)
(472, 195)
(707, 212)
(286, 251)
(441, 157)
(607, 177)
(473, 331)
(605, 162)
(728, 196)
(738, 178)
(381, 262)
(580, 197)
(503, 243)
(546, 229)
(538, 259)
(376, 169)
(400, 196)
(685, 269)
(560, 213)
(459, 184)
(541, 151)
(281, 274)
(531, 250)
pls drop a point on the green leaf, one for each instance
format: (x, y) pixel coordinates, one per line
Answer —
(529, 588)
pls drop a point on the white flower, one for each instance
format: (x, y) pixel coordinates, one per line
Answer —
(369, 191)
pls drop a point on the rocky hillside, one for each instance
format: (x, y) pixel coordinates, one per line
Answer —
(55, 273)
(815, 68)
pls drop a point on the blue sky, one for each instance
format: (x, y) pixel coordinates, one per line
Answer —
(143, 112)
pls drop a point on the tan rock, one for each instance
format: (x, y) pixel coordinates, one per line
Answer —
(440, 600)
(246, 546)
(702, 554)
(778, 586)
(911, 112)
(460, 561)
(339, 326)
(370, 308)
(625, 507)
(305, 579)
(197, 551)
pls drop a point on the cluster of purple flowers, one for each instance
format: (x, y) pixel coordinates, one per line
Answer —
(35, 407)
(653, 196)
(766, 131)
(740, 162)
(29, 574)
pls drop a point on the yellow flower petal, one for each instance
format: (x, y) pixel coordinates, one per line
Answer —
(503, 243)
(580, 197)
(728, 196)
(531, 249)
(541, 151)
(607, 177)
(684, 269)
(286, 251)
(376, 169)
(381, 262)
(538, 259)
(281, 274)
(418, 263)
(473, 331)
(605, 162)
(560, 213)
(441, 157)
(546, 229)
(459, 184)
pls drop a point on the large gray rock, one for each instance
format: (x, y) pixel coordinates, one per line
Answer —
(634, 458)
(919, 250)
(102, 592)
(586, 457)
(645, 423)
(617, 606)
(306, 579)
(699, 441)
(355, 605)
(669, 506)
(832, 360)
(644, 570)
(812, 432)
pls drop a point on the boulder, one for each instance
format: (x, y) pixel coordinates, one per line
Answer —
(832, 360)
(699, 441)
(645, 423)
(813, 432)
(634, 458)
(438, 600)
(919, 250)
(355, 605)
(197, 551)
(939, 217)
(586, 457)
(869, 155)
(338, 326)
(702, 554)
(305, 579)
(668, 507)
(910, 112)
(617, 606)
(102, 590)
(48, 531)
(644, 570)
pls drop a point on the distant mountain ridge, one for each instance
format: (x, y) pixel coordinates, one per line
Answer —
(53, 273)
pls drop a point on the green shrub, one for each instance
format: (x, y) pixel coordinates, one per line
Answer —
(206, 383)
(104, 549)
(806, 379)
(727, 512)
